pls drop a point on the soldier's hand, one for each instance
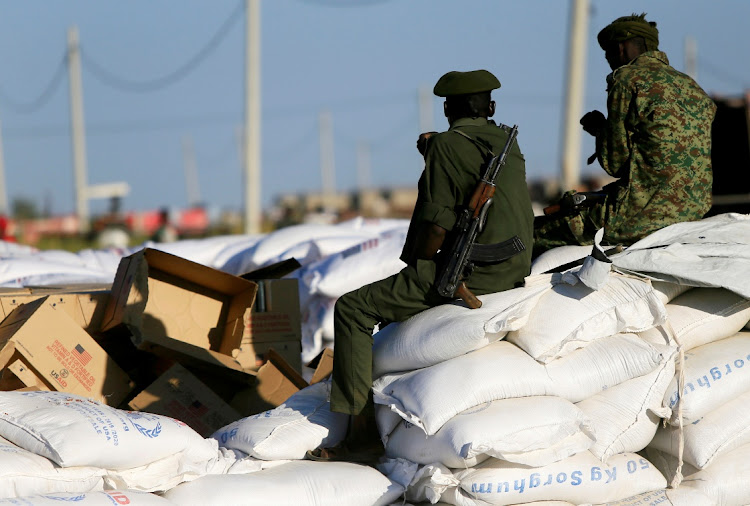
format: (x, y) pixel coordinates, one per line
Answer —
(593, 121)
(422, 141)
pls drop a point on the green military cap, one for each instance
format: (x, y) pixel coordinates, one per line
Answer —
(462, 83)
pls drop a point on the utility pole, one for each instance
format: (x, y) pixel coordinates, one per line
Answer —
(426, 117)
(327, 166)
(191, 172)
(3, 192)
(575, 87)
(77, 130)
(251, 144)
(691, 57)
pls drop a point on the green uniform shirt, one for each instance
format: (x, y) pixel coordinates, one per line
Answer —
(657, 141)
(452, 170)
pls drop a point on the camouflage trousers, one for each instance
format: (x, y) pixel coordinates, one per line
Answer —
(356, 313)
(577, 228)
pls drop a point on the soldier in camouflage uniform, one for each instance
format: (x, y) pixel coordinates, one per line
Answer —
(656, 140)
(453, 164)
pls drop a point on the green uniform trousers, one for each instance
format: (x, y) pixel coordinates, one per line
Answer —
(392, 299)
(578, 228)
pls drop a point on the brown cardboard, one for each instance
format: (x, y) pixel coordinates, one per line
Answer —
(180, 394)
(171, 305)
(276, 381)
(273, 321)
(42, 340)
(323, 365)
(87, 309)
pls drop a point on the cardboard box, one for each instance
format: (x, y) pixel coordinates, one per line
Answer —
(323, 365)
(180, 394)
(276, 381)
(41, 346)
(273, 322)
(87, 309)
(173, 306)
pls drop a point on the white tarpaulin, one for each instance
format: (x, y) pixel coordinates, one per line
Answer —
(711, 252)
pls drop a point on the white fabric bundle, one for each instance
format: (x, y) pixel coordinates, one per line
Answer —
(304, 422)
(701, 316)
(430, 397)
(24, 473)
(73, 431)
(530, 430)
(568, 317)
(626, 416)
(100, 498)
(450, 330)
(715, 373)
(712, 252)
(579, 479)
(292, 484)
(717, 433)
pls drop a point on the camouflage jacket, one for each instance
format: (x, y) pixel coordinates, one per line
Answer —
(657, 141)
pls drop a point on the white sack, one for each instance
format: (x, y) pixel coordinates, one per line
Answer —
(568, 317)
(626, 416)
(725, 481)
(24, 473)
(715, 373)
(667, 291)
(557, 257)
(667, 497)
(430, 397)
(530, 430)
(579, 479)
(101, 498)
(293, 484)
(701, 316)
(317, 325)
(366, 262)
(304, 422)
(74, 431)
(717, 433)
(447, 331)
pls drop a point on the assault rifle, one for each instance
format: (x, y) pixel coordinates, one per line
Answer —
(573, 201)
(463, 252)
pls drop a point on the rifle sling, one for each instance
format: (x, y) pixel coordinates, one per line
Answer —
(497, 252)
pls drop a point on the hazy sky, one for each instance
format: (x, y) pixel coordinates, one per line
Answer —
(362, 60)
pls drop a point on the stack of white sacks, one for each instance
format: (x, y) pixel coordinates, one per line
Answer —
(554, 393)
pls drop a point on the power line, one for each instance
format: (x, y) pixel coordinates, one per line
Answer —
(344, 3)
(124, 84)
(724, 75)
(36, 104)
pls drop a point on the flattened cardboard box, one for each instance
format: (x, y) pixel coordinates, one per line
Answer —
(45, 348)
(273, 322)
(179, 394)
(168, 302)
(87, 309)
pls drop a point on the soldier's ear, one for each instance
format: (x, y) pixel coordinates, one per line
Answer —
(445, 108)
(492, 109)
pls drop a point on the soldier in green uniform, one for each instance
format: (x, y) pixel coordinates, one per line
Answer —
(656, 139)
(453, 162)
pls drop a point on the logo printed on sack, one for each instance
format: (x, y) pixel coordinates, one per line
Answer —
(75, 498)
(81, 354)
(149, 433)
